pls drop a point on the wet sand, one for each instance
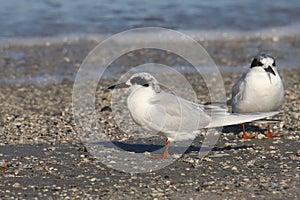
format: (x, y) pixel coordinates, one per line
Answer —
(43, 157)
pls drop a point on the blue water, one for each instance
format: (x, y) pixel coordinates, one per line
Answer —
(30, 21)
(51, 18)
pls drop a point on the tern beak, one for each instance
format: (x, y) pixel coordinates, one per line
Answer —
(270, 70)
(119, 86)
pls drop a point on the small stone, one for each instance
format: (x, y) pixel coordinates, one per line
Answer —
(250, 163)
(291, 137)
(293, 157)
(16, 185)
(296, 115)
(207, 159)
(227, 144)
(261, 136)
(225, 189)
(67, 59)
(93, 179)
(234, 168)
(209, 183)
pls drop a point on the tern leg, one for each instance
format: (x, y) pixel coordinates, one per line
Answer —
(166, 152)
(270, 134)
(245, 136)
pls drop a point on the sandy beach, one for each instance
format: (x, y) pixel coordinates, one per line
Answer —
(41, 155)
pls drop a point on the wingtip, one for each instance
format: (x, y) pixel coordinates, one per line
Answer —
(235, 118)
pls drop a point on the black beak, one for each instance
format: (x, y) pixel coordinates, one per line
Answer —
(118, 86)
(270, 70)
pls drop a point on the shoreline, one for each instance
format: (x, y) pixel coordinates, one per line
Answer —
(39, 62)
(270, 33)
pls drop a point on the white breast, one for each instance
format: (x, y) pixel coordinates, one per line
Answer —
(138, 102)
(258, 91)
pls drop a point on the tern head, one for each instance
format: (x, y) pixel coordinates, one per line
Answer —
(141, 79)
(266, 62)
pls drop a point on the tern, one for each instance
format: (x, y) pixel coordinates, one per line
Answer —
(175, 117)
(260, 89)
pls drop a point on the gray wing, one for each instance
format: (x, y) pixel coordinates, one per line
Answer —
(176, 114)
(238, 91)
(172, 113)
(225, 119)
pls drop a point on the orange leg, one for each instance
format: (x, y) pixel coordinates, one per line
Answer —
(166, 152)
(270, 134)
(245, 136)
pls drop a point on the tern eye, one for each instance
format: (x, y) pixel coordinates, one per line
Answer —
(146, 85)
(274, 64)
(259, 63)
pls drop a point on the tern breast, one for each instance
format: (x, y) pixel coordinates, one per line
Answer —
(258, 92)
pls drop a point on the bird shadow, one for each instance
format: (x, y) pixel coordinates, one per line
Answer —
(138, 147)
(143, 148)
(235, 129)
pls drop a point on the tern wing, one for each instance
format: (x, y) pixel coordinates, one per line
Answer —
(267, 121)
(178, 113)
(226, 119)
(237, 91)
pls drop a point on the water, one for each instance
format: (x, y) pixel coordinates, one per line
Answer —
(52, 18)
(32, 21)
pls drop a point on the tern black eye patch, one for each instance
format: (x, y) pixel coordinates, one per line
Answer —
(139, 81)
(256, 63)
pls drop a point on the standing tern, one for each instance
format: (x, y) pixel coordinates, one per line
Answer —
(176, 118)
(260, 89)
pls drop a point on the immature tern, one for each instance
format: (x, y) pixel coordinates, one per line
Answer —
(260, 89)
(176, 118)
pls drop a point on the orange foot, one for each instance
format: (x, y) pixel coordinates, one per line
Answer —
(270, 134)
(160, 157)
(165, 154)
(245, 136)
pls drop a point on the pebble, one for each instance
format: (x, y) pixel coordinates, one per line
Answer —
(16, 185)
(246, 179)
(234, 168)
(67, 59)
(261, 136)
(207, 159)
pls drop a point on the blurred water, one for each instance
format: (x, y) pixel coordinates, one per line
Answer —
(51, 18)
(51, 21)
